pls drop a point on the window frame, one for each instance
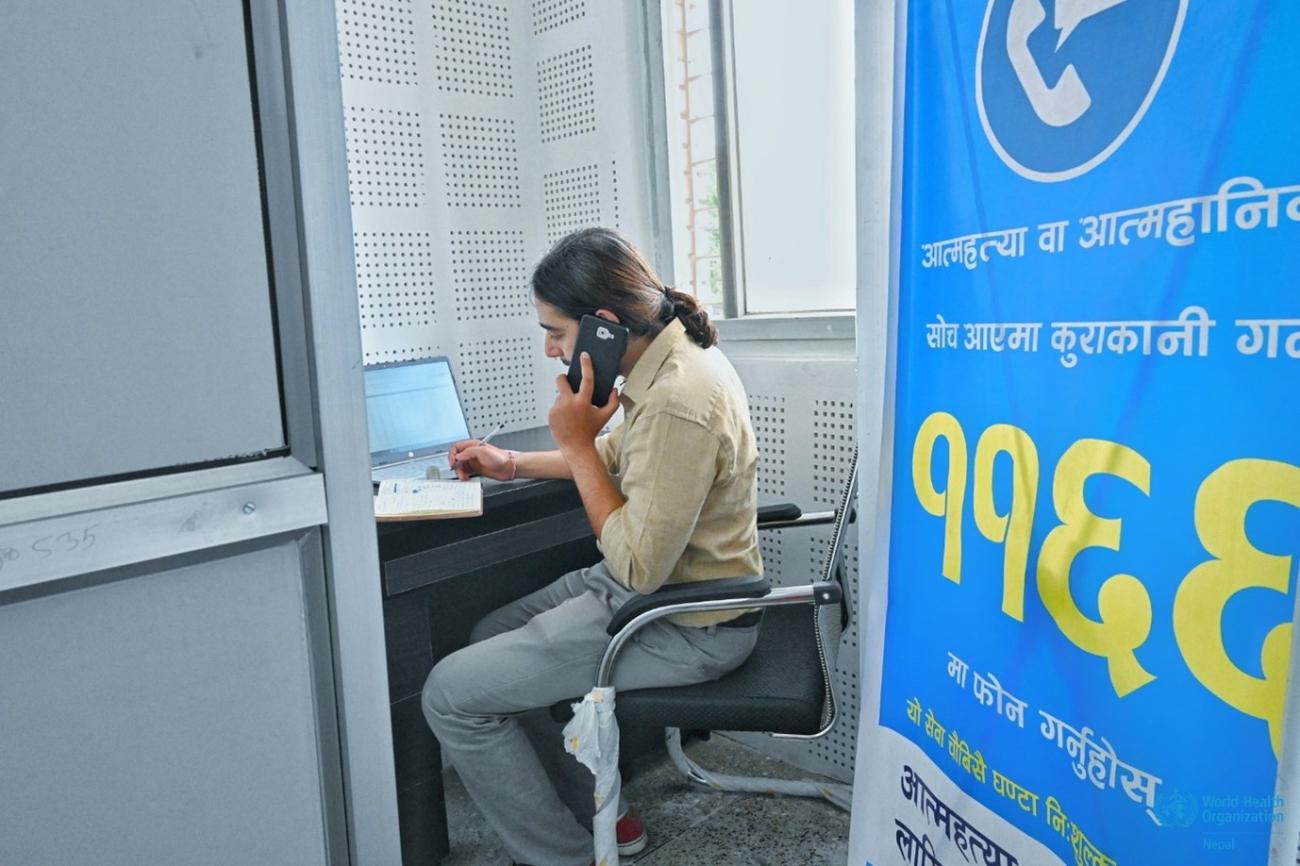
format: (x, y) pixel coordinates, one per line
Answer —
(728, 153)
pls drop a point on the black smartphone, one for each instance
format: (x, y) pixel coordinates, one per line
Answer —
(605, 342)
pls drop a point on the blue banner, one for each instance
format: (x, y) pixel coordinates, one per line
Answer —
(1095, 515)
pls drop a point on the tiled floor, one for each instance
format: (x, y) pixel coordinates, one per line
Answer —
(689, 825)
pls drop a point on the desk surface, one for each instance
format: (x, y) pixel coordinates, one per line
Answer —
(498, 494)
(520, 518)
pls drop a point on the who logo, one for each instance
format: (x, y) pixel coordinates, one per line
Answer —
(1061, 84)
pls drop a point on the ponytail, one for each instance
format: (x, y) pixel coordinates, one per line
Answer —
(694, 317)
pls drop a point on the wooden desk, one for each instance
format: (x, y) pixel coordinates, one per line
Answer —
(439, 578)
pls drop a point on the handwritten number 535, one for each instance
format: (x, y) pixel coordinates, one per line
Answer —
(52, 545)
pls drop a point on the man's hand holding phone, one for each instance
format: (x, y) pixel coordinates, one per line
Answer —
(604, 342)
(574, 420)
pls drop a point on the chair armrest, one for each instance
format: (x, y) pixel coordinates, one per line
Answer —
(740, 588)
(727, 594)
(784, 511)
(808, 518)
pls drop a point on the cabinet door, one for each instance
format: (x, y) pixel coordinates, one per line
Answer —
(135, 302)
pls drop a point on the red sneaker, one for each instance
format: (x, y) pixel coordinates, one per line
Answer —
(630, 832)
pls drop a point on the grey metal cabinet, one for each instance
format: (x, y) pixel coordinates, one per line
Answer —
(191, 635)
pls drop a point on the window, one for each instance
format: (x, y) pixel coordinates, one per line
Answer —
(762, 161)
(692, 150)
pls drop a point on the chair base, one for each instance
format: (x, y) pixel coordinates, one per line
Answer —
(836, 793)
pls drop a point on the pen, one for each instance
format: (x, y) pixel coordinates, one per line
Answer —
(484, 440)
(495, 431)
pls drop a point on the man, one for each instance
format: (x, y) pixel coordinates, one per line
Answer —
(671, 495)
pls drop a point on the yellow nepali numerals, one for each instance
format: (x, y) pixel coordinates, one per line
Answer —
(1011, 530)
(949, 502)
(1123, 603)
(1222, 502)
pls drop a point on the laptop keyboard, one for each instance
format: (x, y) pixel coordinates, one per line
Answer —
(413, 468)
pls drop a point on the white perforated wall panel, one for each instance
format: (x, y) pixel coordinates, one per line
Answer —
(478, 133)
(804, 423)
(385, 156)
(377, 40)
(395, 280)
(480, 161)
(572, 198)
(473, 48)
(487, 269)
(767, 414)
(549, 14)
(566, 86)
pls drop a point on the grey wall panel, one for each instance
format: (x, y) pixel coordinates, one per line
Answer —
(162, 718)
(134, 296)
(804, 417)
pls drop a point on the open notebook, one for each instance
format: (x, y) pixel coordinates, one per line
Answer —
(412, 499)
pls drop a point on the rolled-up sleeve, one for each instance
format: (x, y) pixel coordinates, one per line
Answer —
(607, 448)
(668, 467)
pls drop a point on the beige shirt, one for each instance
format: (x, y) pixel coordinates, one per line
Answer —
(685, 460)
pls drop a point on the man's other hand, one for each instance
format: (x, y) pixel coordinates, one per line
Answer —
(472, 457)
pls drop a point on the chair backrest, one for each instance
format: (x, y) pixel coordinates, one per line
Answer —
(827, 633)
(833, 567)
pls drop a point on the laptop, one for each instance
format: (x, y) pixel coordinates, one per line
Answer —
(414, 415)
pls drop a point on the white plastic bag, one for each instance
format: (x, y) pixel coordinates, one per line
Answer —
(591, 736)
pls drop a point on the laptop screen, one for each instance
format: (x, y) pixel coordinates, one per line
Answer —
(412, 408)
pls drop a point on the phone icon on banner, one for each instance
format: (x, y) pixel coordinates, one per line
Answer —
(1065, 102)
(1061, 83)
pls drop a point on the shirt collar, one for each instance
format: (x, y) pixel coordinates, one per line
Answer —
(647, 366)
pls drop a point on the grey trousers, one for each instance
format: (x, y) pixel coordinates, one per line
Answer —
(487, 704)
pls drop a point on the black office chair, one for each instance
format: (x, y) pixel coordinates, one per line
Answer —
(784, 688)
